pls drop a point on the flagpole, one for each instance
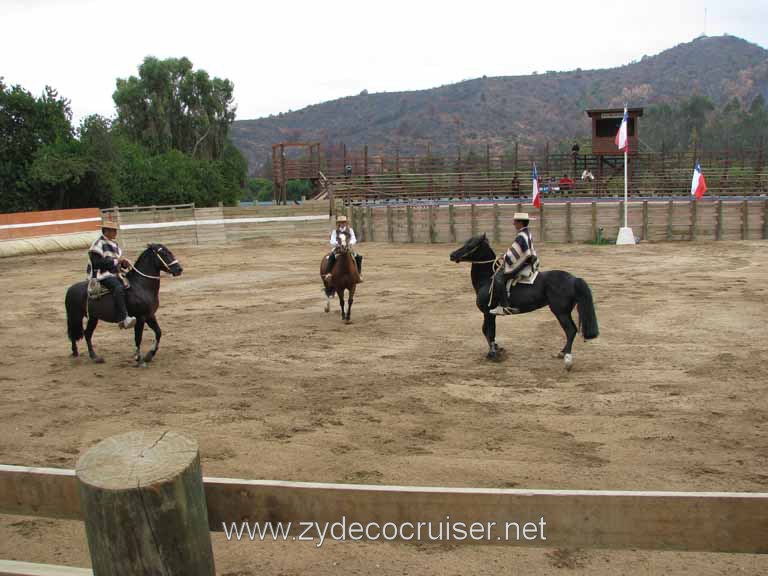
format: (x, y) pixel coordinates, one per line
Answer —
(625, 235)
(626, 199)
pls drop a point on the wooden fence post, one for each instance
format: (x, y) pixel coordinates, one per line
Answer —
(390, 225)
(719, 226)
(542, 229)
(694, 213)
(568, 228)
(670, 214)
(496, 223)
(432, 229)
(452, 222)
(142, 500)
(409, 217)
(472, 219)
(645, 220)
(744, 220)
(621, 214)
(765, 219)
(594, 221)
(370, 226)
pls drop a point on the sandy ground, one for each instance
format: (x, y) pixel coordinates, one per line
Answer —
(672, 396)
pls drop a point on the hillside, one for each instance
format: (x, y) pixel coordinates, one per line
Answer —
(531, 109)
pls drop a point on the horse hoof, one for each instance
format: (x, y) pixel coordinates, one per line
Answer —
(568, 361)
(560, 355)
(347, 321)
(327, 308)
(491, 355)
(148, 357)
(97, 359)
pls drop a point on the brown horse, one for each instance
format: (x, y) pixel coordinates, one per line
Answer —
(344, 276)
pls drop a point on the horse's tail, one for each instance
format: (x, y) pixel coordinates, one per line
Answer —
(587, 316)
(75, 313)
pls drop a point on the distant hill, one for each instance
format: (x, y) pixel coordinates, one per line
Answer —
(497, 111)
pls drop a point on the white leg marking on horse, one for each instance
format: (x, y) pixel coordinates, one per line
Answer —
(568, 361)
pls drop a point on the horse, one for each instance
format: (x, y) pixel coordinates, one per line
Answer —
(141, 299)
(344, 276)
(560, 290)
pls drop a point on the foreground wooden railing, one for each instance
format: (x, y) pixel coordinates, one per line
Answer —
(147, 509)
(691, 521)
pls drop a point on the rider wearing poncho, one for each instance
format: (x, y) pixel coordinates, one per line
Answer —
(520, 263)
(105, 263)
(343, 228)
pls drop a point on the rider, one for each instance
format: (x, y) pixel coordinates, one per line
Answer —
(105, 263)
(520, 262)
(342, 227)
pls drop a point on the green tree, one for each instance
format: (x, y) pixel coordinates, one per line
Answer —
(27, 125)
(170, 106)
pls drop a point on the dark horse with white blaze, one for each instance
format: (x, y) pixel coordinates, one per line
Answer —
(344, 276)
(141, 299)
(557, 289)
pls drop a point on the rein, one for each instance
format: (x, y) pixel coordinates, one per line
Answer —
(165, 264)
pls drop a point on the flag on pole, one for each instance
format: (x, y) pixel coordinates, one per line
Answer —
(536, 195)
(698, 184)
(622, 137)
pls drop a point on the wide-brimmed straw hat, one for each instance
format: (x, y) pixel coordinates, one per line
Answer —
(111, 224)
(522, 216)
(341, 218)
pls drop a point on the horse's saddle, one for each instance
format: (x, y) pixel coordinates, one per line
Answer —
(512, 282)
(96, 289)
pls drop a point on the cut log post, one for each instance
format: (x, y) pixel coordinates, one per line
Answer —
(142, 499)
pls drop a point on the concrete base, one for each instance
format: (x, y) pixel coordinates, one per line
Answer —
(625, 236)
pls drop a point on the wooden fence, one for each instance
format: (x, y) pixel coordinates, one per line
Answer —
(186, 225)
(566, 221)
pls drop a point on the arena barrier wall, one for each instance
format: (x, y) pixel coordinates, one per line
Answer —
(26, 233)
(565, 221)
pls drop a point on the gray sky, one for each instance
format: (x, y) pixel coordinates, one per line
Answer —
(286, 54)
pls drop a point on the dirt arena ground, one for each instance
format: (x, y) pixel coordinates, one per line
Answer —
(672, 396)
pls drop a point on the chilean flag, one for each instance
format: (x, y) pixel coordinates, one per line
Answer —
(622, 140)
(536, 195)
(698, 184)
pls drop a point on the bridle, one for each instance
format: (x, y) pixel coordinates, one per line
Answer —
(164, 263)
(478, 261)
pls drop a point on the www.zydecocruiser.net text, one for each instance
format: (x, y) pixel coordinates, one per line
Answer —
(443, 531)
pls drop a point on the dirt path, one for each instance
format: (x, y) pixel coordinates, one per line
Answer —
(672, 396)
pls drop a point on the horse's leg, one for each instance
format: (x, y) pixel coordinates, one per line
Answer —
(341, 301)
(89, 329)
(138, 333)
(489, 331)
(569, 327)
(152, 323)
(349, 304)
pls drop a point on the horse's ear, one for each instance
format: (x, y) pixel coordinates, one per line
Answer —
(485, 236)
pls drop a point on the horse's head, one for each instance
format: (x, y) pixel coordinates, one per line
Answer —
(343, 240)
(475, 249)
(162, 259)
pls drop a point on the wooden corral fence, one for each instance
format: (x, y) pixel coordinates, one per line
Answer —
(159, 473)
(564, 221)
(186, 225)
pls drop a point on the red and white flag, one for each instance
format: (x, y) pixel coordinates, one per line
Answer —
(698, 184)
(622, 136)
(536, 194)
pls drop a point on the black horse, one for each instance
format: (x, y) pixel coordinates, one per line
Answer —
(141, 299)
(559, 290)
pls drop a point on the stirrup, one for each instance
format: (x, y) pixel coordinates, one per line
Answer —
(503, 311)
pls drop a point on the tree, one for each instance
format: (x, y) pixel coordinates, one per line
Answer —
(27, 125)
(170, 106)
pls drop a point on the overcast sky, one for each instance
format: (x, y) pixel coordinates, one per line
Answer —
(283, 55)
